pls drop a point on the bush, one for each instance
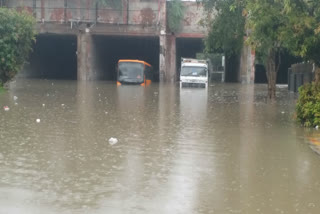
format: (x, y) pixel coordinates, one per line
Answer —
(17, 33)
(308, 105)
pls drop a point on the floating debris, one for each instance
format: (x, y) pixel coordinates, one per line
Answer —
(38, 120)
(15, 97)
(113, 141)
(6, 108)
(43, 105)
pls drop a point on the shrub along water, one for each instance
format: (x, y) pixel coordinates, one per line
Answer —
(17, 33)
(308, 105)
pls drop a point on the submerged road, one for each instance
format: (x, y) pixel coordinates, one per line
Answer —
(222, 150)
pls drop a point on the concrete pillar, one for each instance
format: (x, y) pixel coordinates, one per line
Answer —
(86, 57)
(167, 63)
(167, 55)
(247, 65)
(171, 59)
(162, 38)
(162, 61)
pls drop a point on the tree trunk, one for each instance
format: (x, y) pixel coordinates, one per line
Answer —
(271, 74)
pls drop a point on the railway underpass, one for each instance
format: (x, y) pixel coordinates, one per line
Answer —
(57, 56)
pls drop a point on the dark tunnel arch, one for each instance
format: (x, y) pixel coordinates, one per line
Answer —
(187, 48)
(53, 57)
(109, 49)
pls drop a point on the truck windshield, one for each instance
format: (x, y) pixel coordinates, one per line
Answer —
(131, 72)
(194, 71)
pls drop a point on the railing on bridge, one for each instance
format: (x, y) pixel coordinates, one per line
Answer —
(66, 11)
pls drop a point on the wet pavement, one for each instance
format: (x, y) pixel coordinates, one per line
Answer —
(222, 150)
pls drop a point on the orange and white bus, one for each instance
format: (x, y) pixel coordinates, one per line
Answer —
(131, 71)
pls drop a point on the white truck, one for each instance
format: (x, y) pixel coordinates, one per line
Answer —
(194, 73)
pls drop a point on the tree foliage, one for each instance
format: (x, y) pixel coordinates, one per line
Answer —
(17, 33)
(265, 23)
(302, 33)
(271, 26)
(308, 105)
(226, 29)
(175, 15)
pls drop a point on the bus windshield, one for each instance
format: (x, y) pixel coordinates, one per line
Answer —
(194, 71)
(131, 72)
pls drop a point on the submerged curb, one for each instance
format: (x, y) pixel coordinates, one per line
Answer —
(315, 144)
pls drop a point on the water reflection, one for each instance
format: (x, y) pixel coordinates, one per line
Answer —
(222, 150)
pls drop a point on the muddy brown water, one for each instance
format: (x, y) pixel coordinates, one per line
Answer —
(222, 150)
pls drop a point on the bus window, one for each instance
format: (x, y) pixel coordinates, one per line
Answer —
(134, 72)
(130, 72)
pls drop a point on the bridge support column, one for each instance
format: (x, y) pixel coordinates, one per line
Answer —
(247, 65)
(86, 57)
(162, 61)
(167, 66)
(167, 55)
(171, 60)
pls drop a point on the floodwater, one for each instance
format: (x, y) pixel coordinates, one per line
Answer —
(222, 150)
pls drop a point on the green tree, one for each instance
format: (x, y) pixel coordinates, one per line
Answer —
(265, 22)
(226, 23)
(302, 37)
(226, 28)
(302, 33)
(272, 25)
(175, 15)
(17, 33)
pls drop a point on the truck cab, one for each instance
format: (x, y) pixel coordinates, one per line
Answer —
(194, 73)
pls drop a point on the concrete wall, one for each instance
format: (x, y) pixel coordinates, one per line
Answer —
(27, 5)
(193, 14)
(143, 12)
(108, 15)
(132, 12)
(84, 10)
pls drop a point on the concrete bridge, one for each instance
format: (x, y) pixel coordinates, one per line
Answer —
(86, 38)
